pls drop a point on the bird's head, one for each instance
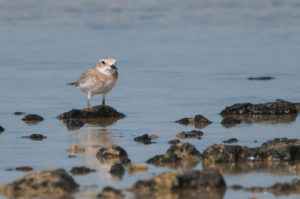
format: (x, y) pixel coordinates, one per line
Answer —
(107, 65)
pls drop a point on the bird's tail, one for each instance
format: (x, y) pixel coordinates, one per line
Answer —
(73, 84)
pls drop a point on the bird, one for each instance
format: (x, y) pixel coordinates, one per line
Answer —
(99, 79)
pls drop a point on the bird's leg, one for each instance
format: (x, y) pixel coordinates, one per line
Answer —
(88, 102)
(103, 100)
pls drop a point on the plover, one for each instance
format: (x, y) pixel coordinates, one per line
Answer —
(99, 79)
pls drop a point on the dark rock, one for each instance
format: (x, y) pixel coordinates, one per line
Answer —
(271, 108)
(178, 155)
(74, 124)
(236, 187)
(185, 121)
(264, 119)
(9, 169)
(24, 168)
(191, 134)
(19, 113)
(224, 153)
(113, 154)
(32, 119)
(297, 106)
(261, 78)
(117, 170)
(285, 188)
(1, 129)
(51, 183)
(72, 156)
(175, 141)
(101, 111)
(137, 168)
(230, 122)
(98, 115)
(35, 137)
(172, 181)
(208, 184)
(145, 139)
(201, 193)
(279, 143)
(81, 170)
(206, 178)
(279, 149)
(110, 193)
(229, 141)
(198, 121)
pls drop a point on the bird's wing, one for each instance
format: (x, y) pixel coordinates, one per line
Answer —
(89, 79)
(88, 75)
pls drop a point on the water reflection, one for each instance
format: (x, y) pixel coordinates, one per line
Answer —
(74, 124)
(31, 122)
(102, 122)
(92, 140)
(201, 125)
(263, 119)
(276, 168)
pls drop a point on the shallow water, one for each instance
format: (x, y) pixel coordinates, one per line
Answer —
(175, 59)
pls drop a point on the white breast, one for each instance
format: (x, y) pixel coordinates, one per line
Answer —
(106, 70)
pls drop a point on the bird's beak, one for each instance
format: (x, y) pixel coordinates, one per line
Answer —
(114, 67)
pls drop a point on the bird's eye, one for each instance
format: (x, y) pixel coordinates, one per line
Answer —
(103, 62)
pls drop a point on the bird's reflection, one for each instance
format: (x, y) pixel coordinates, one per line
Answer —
(101, 122)
(92, 140)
